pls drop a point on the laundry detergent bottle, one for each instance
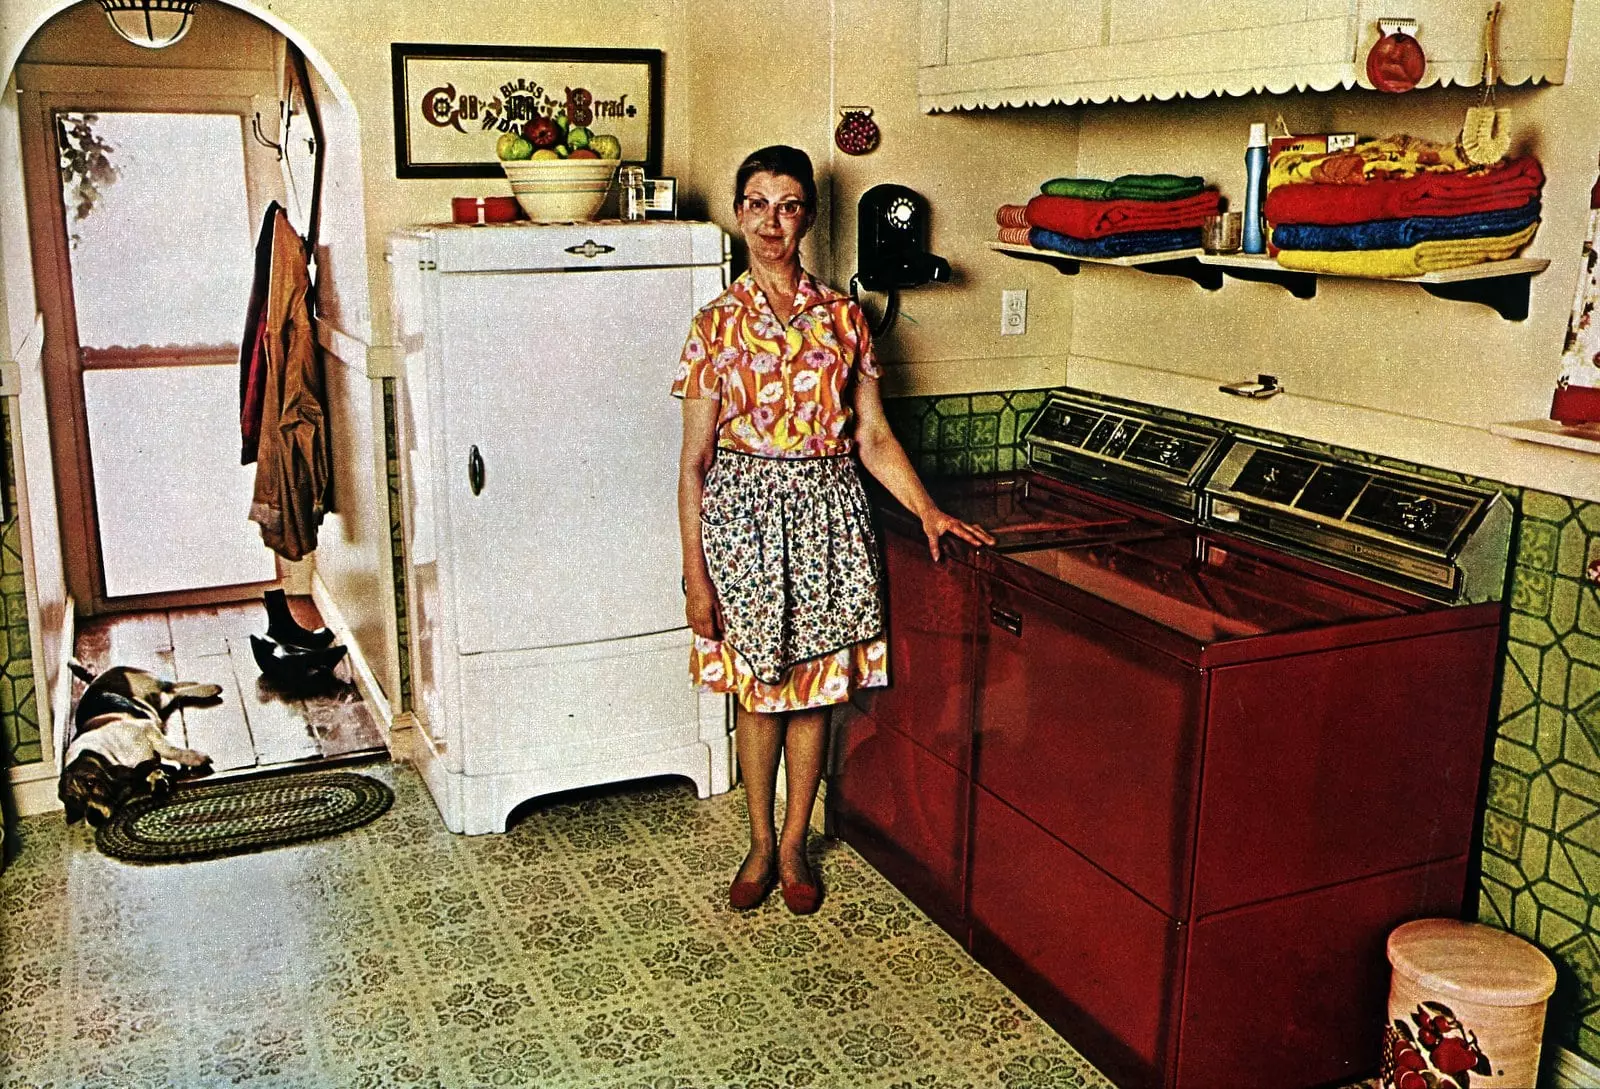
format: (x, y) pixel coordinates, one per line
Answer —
(1255, 192)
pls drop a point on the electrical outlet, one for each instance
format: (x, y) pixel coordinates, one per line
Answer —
(1013, 313)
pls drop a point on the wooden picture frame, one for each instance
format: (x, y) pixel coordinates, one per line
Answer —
(453, 102)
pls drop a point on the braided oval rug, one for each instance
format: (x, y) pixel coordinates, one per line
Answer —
(213, 820)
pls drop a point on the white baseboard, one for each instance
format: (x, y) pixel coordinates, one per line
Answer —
(33, 789)
(1572, 1071)
(394, 727)
(33, 786)
(61, 697)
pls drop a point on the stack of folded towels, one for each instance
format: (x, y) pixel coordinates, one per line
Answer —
(1134, 214)
(1398, 207)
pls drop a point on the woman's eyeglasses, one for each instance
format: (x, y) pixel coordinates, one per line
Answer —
(786, 209)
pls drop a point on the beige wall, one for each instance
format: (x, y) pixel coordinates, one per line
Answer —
(16, 278)
(730, 88)
(762, 83)
(349, 45)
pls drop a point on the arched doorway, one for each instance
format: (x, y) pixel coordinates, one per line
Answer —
(140, 384)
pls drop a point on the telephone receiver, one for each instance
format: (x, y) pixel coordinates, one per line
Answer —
(892, 241)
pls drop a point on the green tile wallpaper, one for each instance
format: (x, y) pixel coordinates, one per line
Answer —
(19, 712)
(1540, 850)
(959, 436)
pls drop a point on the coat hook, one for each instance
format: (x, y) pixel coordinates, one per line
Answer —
(255, 127)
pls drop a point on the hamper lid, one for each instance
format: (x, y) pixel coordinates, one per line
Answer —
(1471, 962)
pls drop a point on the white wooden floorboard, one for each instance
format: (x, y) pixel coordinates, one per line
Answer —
(197, 631)
(145, 642)
(219, 730)
(278, 725)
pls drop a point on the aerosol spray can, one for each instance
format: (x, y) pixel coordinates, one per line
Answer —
(1255, 189)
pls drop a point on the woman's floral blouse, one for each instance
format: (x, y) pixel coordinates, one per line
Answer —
(784, 389)
(784, 392)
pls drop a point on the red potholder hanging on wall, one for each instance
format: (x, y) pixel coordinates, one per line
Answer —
(1396, 63)
(857, 133)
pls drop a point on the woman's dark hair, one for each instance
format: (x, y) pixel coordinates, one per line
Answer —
(789, 162)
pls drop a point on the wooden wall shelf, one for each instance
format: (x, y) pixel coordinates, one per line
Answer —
(1500, 285)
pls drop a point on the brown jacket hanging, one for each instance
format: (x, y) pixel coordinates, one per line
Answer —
(294, 455)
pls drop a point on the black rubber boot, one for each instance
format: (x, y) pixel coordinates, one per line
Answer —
(292, 669)
(283, 628)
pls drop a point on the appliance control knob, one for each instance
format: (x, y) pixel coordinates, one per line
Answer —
(1169, 454)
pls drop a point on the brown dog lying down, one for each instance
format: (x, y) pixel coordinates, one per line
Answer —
(118, 744)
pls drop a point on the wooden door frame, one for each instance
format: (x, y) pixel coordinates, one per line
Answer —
(43, 90)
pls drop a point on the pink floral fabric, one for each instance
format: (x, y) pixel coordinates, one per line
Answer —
(784, 390)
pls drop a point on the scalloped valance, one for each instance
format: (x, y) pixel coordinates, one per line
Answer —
(1120, 51)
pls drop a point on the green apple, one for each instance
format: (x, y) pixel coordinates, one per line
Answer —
(606, 146)
(562, 150)
(518, 149)
(577, 137)
(503, 146)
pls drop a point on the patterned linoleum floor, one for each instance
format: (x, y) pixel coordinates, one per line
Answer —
(589, 947)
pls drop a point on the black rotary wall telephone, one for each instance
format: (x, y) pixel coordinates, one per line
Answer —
(892, 246)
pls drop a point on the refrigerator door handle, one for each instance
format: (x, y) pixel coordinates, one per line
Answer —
(475, 471)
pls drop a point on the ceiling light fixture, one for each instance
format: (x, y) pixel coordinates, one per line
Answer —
(153, 24)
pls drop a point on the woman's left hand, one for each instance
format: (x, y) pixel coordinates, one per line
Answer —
(936, 523)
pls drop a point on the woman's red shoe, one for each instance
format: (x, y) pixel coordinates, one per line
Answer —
(744, 895)
(802, 898)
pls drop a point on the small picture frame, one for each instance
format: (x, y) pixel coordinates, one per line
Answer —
(660, 198)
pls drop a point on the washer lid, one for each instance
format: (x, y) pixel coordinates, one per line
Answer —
(1471, 962)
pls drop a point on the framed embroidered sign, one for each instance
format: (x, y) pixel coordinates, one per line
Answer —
(452, 103)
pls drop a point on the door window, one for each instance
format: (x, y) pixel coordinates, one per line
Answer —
(161, 249)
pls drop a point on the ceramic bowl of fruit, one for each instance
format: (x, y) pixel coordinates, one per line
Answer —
(559, 173)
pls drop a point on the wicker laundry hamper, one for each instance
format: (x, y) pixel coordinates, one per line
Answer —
(1466, 1007)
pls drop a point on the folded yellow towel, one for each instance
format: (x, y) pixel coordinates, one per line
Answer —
(1418, 260)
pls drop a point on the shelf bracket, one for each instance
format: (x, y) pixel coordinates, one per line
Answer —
(1063, 264)
(1302, 285)
(1205, 275)
(1505, 295)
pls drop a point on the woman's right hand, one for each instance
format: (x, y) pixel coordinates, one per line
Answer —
(702, 608)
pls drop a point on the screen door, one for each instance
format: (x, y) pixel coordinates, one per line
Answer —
(162, 257)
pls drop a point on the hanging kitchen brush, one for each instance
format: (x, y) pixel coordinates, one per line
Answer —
(1486, 133)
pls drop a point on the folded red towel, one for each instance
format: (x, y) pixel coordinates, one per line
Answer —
(1099, 218)
(1012, 215)
(1509, 185)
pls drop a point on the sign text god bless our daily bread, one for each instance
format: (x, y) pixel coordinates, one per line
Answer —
(518, 100)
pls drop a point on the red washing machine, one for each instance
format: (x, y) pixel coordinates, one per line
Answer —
(1209, 766)
(901, 789)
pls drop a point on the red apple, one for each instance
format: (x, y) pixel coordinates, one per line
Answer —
(542, 132)
(583, 153)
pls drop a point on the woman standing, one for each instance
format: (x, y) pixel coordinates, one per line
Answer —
(780, 564)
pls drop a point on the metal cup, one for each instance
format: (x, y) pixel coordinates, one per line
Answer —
(1222, 233)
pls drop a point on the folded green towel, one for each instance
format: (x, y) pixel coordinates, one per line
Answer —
(1127, 187)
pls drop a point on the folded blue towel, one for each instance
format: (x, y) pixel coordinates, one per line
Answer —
(1114, 245)
(1400, 234)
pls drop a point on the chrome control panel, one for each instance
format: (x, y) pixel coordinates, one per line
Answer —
(1444, 540)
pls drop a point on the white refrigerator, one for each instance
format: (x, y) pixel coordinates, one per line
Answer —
(538, 448)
